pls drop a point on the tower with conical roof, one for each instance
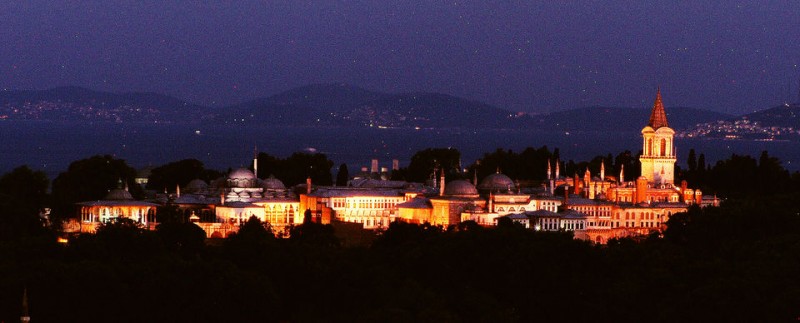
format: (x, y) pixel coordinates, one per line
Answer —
(658, 152)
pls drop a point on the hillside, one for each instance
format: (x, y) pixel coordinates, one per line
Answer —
(344, 105)
(785, 115)
(80, 104)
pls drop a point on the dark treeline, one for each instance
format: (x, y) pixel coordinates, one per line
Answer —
(740, 176)
(734, 263)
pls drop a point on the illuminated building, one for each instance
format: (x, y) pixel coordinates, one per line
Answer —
(117, 204)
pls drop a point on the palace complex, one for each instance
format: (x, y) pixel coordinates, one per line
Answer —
(594, 206)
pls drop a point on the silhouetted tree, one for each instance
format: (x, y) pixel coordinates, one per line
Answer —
(186, 238)
(691, 161)
(181, 172)
(22, 196)
(91, 179)
(297, 167)
(425, 161)
(342, 176)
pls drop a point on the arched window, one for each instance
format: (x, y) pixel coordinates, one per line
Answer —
(649, 146)
(663, 147)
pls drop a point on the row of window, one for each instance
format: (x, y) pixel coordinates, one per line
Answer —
(365, 204)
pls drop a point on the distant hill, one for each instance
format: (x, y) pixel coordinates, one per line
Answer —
(607, 118)
(80, 104)
(778, 123)
(785, 115)
(344, 105)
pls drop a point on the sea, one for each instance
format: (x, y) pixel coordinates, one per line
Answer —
(50, 146)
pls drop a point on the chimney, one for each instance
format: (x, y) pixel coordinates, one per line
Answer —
(374, 166)
(177, 190)
(308, 185)
(395, 164)
(566, 195)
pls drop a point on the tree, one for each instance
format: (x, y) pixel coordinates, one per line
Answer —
(342, 176)
(424, 162)
(297, 167)
(185, 238)
(91, 179)
(22, 195)
(692, 161)
(179, 173)
(701, 163)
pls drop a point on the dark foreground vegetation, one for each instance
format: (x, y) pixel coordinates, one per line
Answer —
(738, 262)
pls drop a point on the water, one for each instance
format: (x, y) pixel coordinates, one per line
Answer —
(51, 146)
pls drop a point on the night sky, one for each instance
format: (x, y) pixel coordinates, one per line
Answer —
(536, 57)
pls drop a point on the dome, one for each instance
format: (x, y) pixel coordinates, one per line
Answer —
(272, 183)
(118, 194)
(241, 173)
(496, 182)
(459, 187)
(196, 186)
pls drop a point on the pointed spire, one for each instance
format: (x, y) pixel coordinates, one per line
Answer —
(602, 171)
(622, 173)
(25, 317)
(558, 168)
(549, 172)
(658, 118)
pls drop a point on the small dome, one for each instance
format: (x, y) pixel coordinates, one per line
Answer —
(459, 187)
(118, 194)
(272, 183)
(496, 182)
(196, 186)
(241, 173)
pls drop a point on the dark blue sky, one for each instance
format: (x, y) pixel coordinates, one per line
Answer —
(537, 57)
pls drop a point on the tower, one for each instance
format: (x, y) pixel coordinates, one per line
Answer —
(25, 318)
(658, 152)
